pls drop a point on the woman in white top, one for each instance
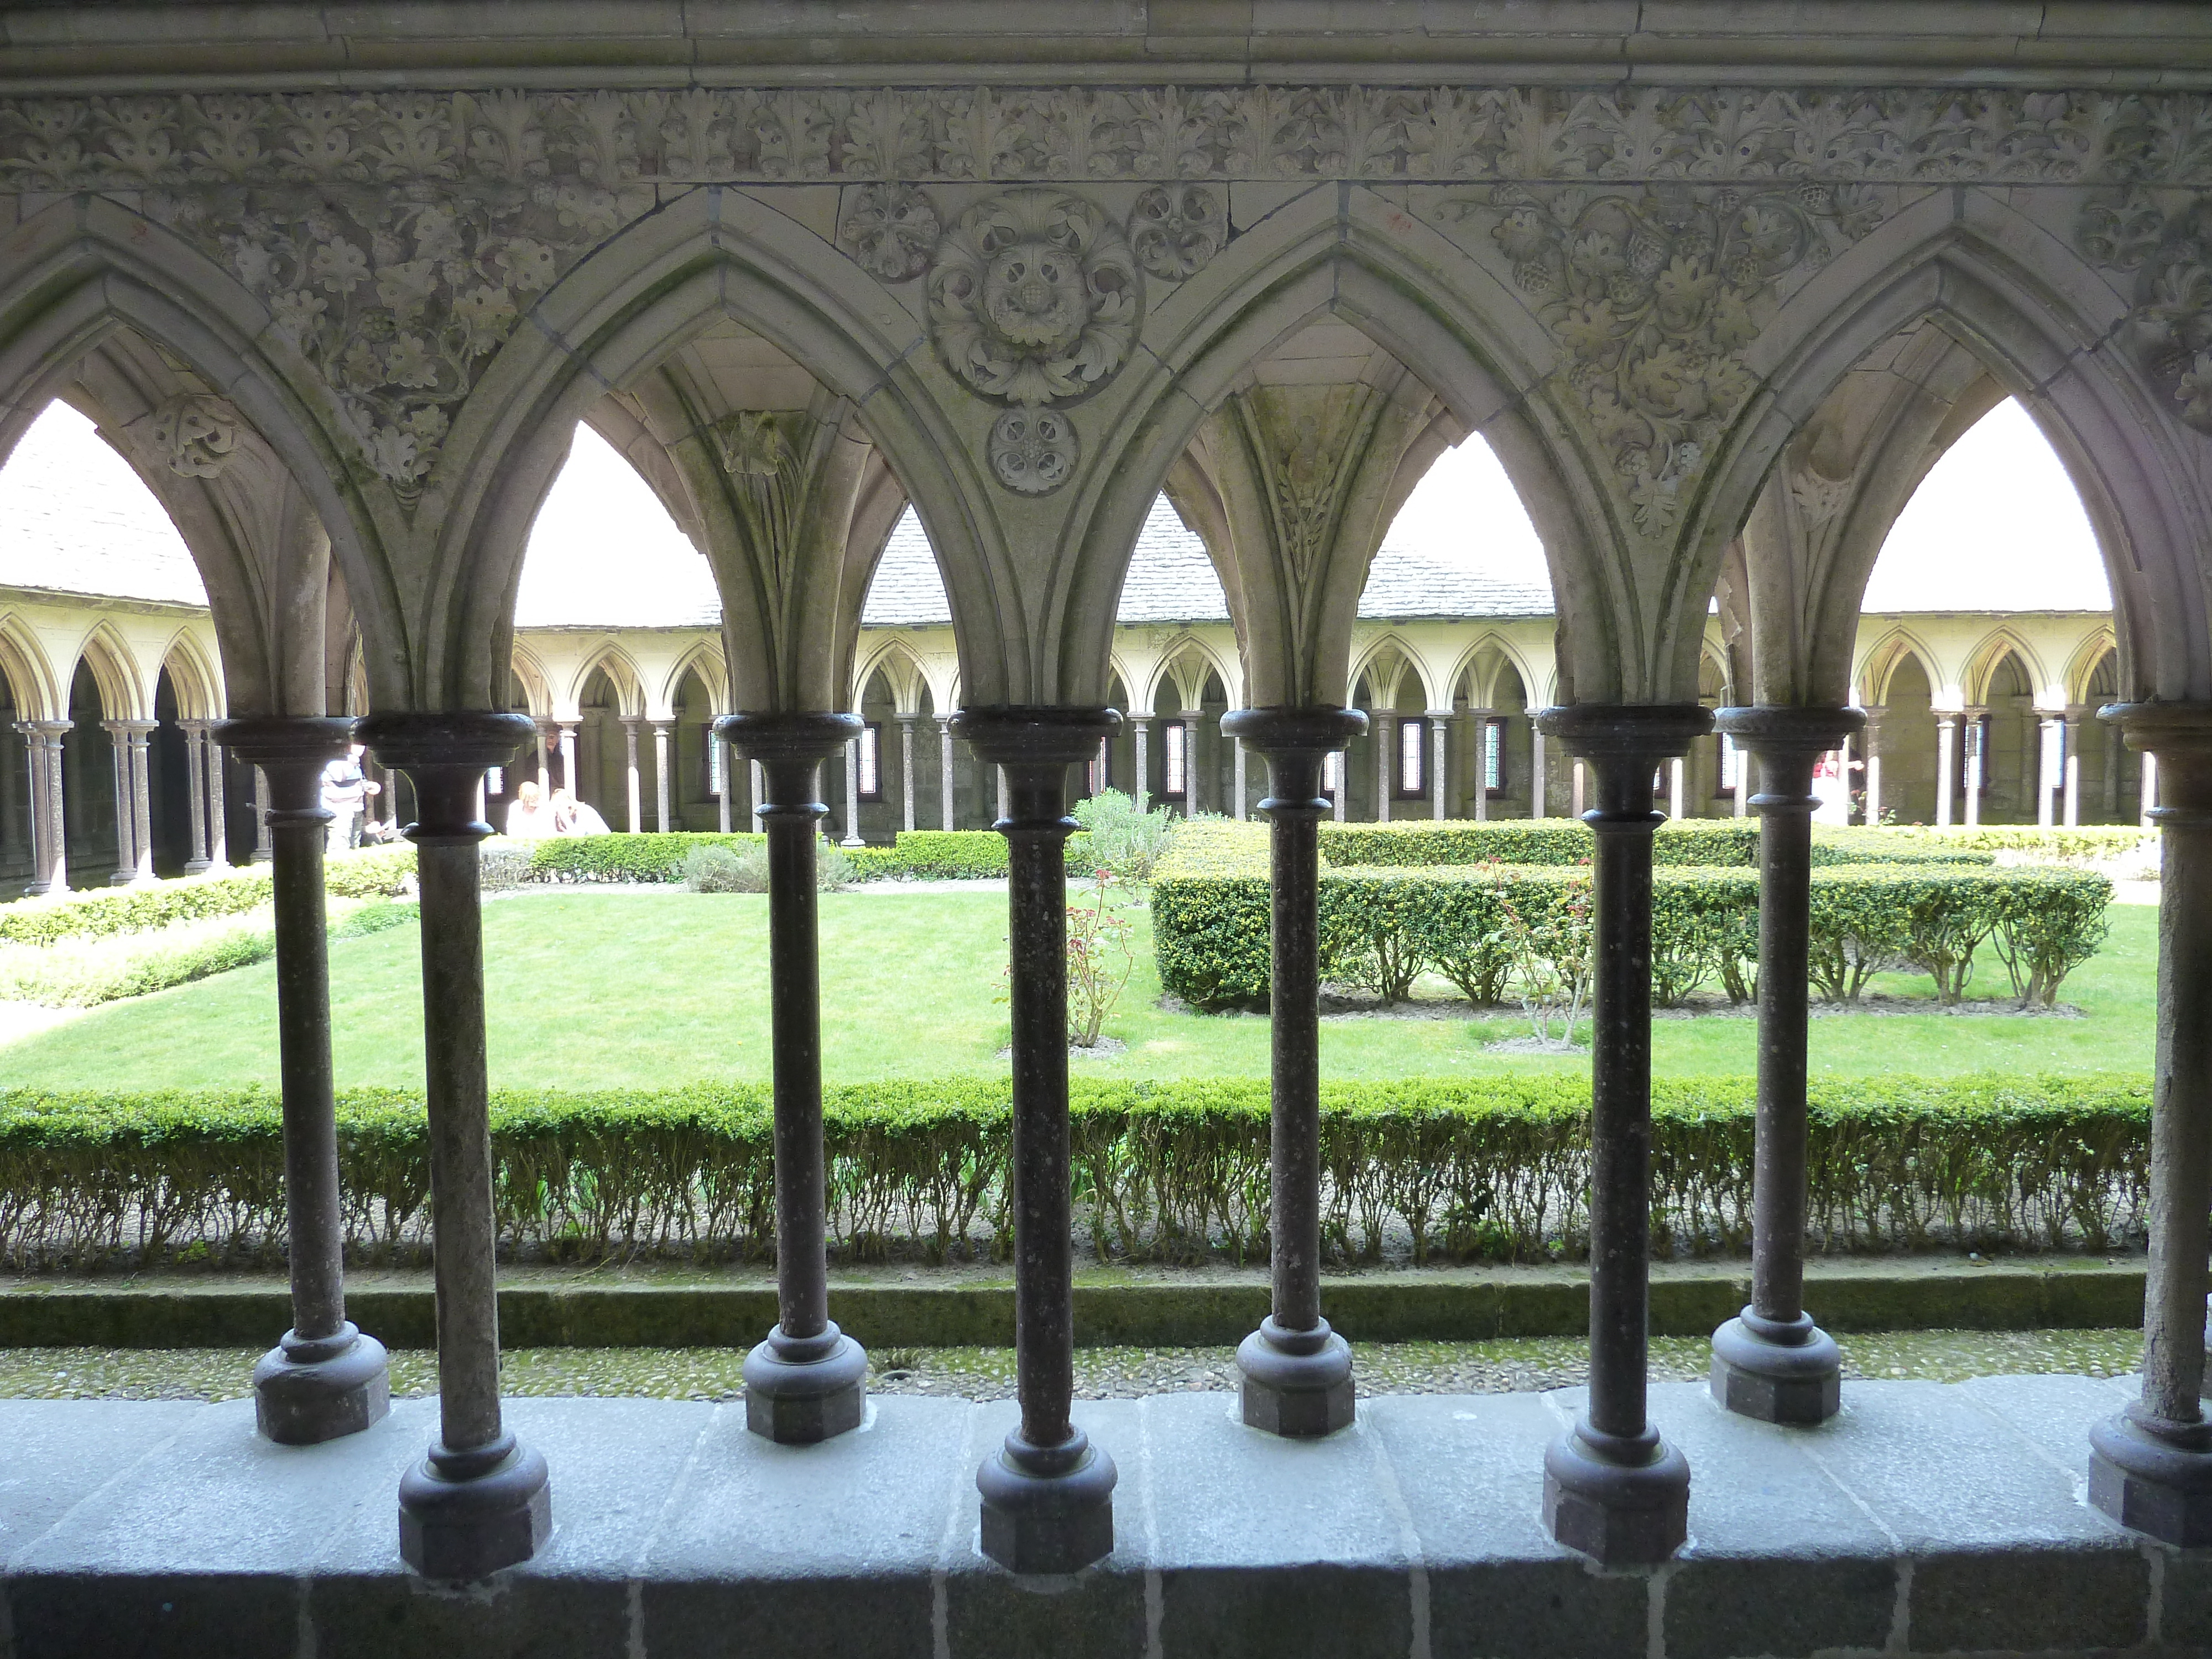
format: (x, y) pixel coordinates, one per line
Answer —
(529, 818)
(572, 817)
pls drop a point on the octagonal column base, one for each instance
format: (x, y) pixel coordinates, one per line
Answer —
(2154, 1476)
(1775, 1370)
(1297, 1384)
(1047, 1509)
(801, 1389)
(309, 1389)
(1623, 1500)
(466, 1514)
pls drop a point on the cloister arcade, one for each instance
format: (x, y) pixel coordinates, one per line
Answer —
(1715, 333)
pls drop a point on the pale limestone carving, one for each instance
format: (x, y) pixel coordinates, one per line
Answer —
(1174, 230)
(1309, 441)
(891, 230)
(772, 457)
(195, 434)
(2169, 325)
(1033, 450)
(1034, 298)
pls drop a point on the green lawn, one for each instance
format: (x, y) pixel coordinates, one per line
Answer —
(649, 989)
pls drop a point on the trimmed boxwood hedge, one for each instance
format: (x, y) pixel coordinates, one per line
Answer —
(915, 855)
(371, 872)
(1210, 917)
(1708, 843)
(1494, 1169)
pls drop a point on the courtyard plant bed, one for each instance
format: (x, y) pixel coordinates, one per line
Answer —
(913, 855)
(1498, 931)
(147, 906)
(1421, 1169)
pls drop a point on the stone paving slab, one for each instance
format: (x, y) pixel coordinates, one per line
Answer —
(1926, 1519)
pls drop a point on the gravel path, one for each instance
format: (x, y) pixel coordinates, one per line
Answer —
(1100, 1373)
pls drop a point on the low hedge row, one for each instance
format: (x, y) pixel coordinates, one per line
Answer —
(915, 855)
(1493, 1169)
(371, 872)
(1211, 916)
(1708, 843)
(2092, 841)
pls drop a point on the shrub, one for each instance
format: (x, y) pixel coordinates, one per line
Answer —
(715, 869)
(937, 855)
(1492, 1168)
(2081, 844)
(1381, 927)
(624, 857)
(1123, 840)
(371, 872)
(1100, 959)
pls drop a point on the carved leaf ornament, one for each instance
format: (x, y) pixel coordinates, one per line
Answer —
(195, 434)
(397, 236)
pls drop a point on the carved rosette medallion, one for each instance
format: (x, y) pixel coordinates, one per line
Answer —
(1033, 450)
(195, 434)
(1176, 229)
(1034, 300)
(891, 230)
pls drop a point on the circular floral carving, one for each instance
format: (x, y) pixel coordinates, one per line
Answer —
(1034, 297)
(1033, 450)
(195, 434)
(891, 229)
(1176, 229)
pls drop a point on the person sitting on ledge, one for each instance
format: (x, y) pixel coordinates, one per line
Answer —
(572, 817)
(529, 817)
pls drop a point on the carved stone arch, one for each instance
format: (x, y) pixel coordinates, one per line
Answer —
(1877, 666)
(622, 671)
(1492, 642)
(2088, 657)
(1346, 253)
(125, 692)
(85, 268)
(537, 685)
(1715, 652)
(2044, 321)
(40, 695)
(1992, 649)
(902, 672)
(1377, 651)
(712, 254)
(1183, 644)
(705, 660)
(198, 685)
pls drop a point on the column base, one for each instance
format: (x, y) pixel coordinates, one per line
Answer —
(802, 1389)
(1623, 1501)
(1047, 1511)
(195, 867)
(1297, 1384)
(2154, 1476)
(1776, 1372)
(466, 1514)
(307, 1390)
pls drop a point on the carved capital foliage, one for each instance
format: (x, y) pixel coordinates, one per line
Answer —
(772, 457)
(194, 433)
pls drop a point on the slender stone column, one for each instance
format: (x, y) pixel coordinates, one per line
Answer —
(1537, 804)
(629, 772)
(905, 771)
(567, 729)
(852, 792)
(324, 1378)
(218, 820)
(2071, 764)
(1385, 762)
(1870, 744)
(1342, 803)
(1946, 764)
(1297, 1371)
(807, 1381)
(1440, 722)
(1047, 1492)
(2049, 764)
(1771, 1362)
(49, 833)
(479, 1501)
(1675, 790)
(1005, 807)
(723, 784)
(1140, 786)
(2150, 1468)
(1239, 785)
(755, 776)
(260, 817)
(1479, 720)
(196, 752)
(944, 771)
(142, 799)
(2147, 788)
(1191, 803)
(126, 855)
(1613, 1488)
(661, 730)
(1578, 791)
(2113, 773)
(544, 772)
(1977, 762)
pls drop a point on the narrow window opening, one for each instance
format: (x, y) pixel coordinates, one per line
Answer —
(1412, 755)
(1173, 780)
(871, 753)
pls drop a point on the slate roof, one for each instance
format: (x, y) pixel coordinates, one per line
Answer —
(75, 518)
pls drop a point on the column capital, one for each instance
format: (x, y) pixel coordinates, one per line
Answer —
(778, 736)
(906, 716)
(1779, 728)
(1040, 736)
(1292, 731)
(2179, 734)
(1440, 714)
(1623, 742)
(269, 740)
(445, 753)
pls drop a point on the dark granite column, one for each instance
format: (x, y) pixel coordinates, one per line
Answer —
(1771, 1361)
(1613, 1488)
(479, 1501)
(324, 1378)
(1047, 1492)
(1297, 1371)
(808, 1380)
(2150, 1468)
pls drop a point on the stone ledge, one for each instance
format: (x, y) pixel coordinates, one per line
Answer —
(1401, 1307)
(1925, 1519)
